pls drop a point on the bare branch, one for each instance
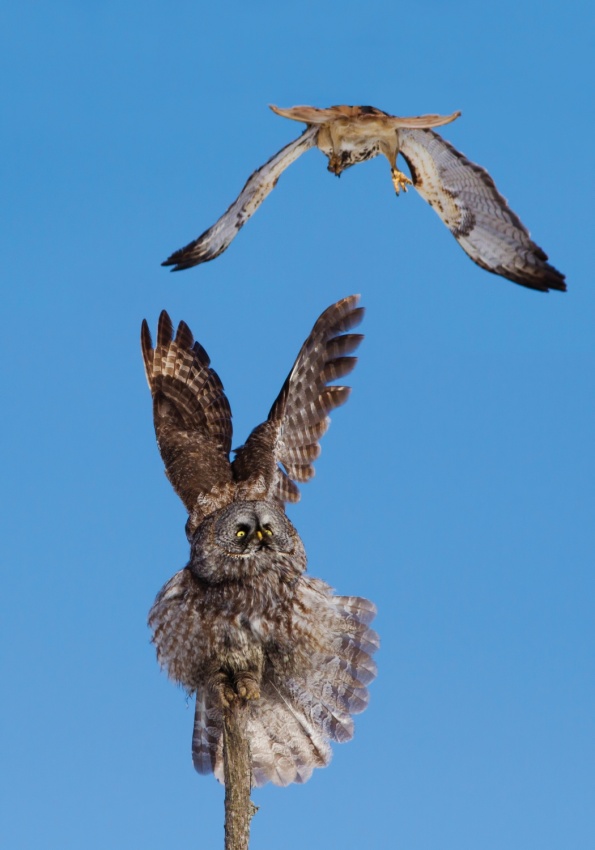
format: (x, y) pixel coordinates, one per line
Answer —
(239, 808)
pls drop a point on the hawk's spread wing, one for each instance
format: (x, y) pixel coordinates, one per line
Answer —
(466, 199)
(190, 410)
(216, 239)
(299, 416)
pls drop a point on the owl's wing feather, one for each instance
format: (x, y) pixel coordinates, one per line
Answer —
(292, 724)
(299, 417)
(191, 413)
(299, 712)
(260, 184)
(177, 628)
(468, 202)
(342, 665)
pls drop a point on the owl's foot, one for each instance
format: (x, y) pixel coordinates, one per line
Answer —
(244, 687)
(222, 685)
(226, 693)
(247, 687)
(400, 180)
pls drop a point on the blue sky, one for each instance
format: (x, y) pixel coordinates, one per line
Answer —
(456, 489)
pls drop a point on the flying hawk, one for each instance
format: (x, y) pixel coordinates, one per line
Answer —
(462, 193)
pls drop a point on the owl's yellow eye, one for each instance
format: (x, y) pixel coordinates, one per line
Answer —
(240, 532)
(267, 530)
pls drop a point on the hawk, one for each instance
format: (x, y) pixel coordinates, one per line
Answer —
(463, 194)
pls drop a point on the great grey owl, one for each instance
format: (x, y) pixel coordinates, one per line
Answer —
(242, 621)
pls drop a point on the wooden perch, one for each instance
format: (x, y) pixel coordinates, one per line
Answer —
(239, 808)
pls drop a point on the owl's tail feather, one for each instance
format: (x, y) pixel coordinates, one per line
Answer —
(284, 746)
(207, 739)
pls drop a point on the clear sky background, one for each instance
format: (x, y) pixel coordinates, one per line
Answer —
(456, 489)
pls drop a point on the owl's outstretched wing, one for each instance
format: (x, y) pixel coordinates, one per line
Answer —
(299, 416)
(260, 184)
(299, 714)
(466, 199)
(290, 727)
(190, 411)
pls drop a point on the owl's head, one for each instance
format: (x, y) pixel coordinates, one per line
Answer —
(246, 539)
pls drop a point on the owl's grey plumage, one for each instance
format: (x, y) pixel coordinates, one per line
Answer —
(242, 621)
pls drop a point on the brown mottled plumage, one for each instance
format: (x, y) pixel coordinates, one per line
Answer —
(462, 194)
(242, 620)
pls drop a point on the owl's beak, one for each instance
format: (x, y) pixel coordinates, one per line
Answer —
(259, 534)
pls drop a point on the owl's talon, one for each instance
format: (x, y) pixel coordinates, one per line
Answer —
(225, 691)
(228, 695)
(247, 688)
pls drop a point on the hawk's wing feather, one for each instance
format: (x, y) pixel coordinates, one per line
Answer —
(468, 202)
(299, 416)
(260, 184)
(190, 410)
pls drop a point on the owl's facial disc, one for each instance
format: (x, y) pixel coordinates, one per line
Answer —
(246, 539)
(245, 529)
(254, 533)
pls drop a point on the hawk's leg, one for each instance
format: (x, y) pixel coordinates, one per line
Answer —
(400, 180)
(390, 148)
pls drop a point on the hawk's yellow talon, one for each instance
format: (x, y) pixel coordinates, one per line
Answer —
(400, 180)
